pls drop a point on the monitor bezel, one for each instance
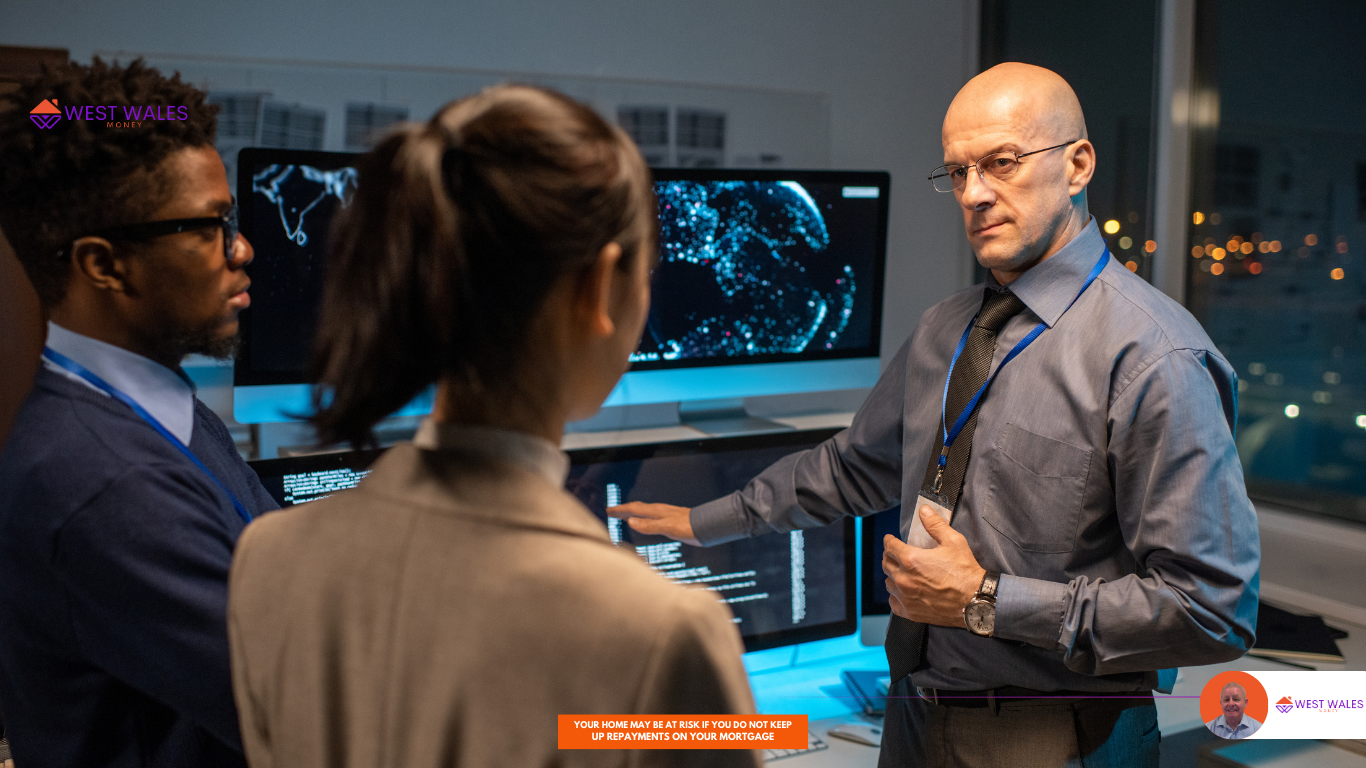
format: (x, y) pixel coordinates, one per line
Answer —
(868, 602)
(248, 158)
(880, 179)
(798, 440)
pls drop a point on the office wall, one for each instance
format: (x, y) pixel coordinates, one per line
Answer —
(890, 69)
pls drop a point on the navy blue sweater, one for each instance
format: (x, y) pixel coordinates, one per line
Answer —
(114, 555)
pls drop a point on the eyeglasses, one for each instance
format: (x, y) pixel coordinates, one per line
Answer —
(1001, 165)
(148, 230)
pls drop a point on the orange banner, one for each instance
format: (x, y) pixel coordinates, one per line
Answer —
(683, 732)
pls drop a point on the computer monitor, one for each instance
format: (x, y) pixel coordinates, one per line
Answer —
(287, 199)
(874, 607)
(301, 479)
(769, 282)
(784, 588)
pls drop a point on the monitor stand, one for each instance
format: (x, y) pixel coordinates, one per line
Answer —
(723, 418)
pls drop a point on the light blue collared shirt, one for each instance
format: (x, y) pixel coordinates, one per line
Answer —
(162, 392)
(1220, 728)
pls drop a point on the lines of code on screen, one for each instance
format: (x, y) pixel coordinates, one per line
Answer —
(774, 582)
(304, 487)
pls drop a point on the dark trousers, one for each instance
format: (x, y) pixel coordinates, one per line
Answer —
(1037, 733)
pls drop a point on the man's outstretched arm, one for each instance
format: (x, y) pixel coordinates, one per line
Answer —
(856, 472)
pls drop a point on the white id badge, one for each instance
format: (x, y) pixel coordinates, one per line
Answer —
(919, 537)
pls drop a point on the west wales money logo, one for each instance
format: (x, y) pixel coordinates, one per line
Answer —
(45, 115)
(1319, 705)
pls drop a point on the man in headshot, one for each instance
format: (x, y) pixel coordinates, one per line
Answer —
(121, 494)
(1234, 723)
(1075, 427)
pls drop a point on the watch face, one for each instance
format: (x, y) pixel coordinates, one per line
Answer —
(981, 617)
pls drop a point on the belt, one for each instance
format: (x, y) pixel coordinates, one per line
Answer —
(995, 697)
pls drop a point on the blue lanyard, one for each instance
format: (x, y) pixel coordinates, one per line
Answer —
(951, 433)
(71, 365)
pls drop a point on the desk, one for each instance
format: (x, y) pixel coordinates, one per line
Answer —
(809, 684)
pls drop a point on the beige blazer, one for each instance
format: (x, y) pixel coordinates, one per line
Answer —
(444, 612)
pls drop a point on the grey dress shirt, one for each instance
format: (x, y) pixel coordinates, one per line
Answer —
(1104, 484)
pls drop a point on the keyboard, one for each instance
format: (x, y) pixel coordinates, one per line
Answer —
(813, 744)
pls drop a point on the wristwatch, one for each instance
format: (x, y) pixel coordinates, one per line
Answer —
(980, 612)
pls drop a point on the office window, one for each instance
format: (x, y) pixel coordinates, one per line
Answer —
(366, 123)
(1071, 37)
(292, 126)
(648, 127)
(701, 138)
(1236, 176)
(1277, 232)
(239, 114)
(239, 125)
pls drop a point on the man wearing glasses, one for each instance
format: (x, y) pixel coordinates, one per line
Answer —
(1076, 427)
(121, 494)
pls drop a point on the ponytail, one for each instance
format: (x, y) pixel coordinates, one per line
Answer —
(458, 230)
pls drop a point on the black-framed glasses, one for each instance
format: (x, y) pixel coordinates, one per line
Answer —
(151, 229)
(1001, 165)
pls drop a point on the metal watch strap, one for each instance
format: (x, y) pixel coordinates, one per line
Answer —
(990, 580)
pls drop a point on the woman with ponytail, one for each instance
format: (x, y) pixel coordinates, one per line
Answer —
(448, 609)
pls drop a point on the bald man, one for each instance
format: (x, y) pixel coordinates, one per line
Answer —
(1074, 519)
(1234, 723)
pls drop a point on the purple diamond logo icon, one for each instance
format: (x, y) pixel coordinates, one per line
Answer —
(1284, 705)
(45, 115)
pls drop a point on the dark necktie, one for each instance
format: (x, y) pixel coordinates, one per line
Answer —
(905, 645)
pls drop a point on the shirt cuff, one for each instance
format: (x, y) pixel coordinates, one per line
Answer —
(1030, 610)
(719, 521)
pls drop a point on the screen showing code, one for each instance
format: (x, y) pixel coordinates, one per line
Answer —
(774, 583)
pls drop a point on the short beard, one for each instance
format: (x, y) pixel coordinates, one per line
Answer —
(176, 344)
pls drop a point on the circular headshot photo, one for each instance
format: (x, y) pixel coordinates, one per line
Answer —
(1233, 705)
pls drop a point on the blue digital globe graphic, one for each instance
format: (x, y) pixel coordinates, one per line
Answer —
(744, 271)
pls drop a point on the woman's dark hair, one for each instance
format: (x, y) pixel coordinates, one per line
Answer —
(458, 230)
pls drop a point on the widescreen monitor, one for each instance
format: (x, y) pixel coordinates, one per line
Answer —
(769, 282)
(783, 588)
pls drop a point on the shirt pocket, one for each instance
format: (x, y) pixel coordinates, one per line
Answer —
(1035, 491)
